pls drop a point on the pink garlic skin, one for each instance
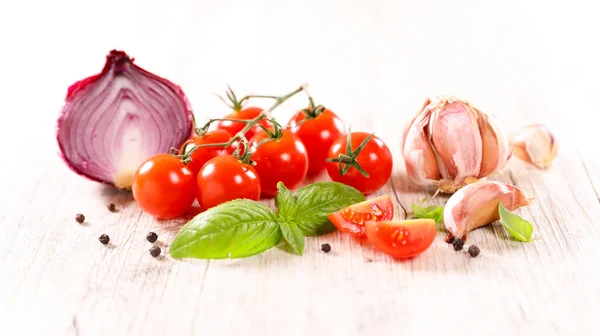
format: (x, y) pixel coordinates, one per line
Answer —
(476, 205)
(451, 143)
(536, 145)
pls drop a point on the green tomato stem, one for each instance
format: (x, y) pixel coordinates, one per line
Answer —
(258, 96)
(349, 159)
(186, 155)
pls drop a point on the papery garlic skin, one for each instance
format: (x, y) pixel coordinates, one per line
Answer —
(536, 145)
(476, 205)
(450, 143)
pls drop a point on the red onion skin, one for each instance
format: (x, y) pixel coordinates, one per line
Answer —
(117, 59)
(79, 85)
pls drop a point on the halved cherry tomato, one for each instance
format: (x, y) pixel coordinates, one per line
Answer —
(247, 113)
(164, 186)
(375, 158)
(282, 160)
(317, 134)
(402, 239)
(352, 219)
(225, 178)
(202, 155)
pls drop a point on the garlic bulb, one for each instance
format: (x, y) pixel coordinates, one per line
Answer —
(536, 145)
(450, 144)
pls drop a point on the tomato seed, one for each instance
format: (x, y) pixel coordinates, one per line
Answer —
(155, 251)
(474, 251)
(326, 248)
(79, 218)
(104, 239)
(458, 244)
(111, 207)
(151, 237)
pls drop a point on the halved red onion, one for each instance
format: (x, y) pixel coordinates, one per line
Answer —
(113, 121)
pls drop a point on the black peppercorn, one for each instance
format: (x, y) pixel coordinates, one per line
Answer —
(474, 251)
(104, 239)
(155, 251)
(79, 218)
(458, 244)
(450, 239)
(111, 207)
(151, 237)
(326, 248)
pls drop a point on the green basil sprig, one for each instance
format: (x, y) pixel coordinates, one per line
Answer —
(518, 227)
(242, 228)
(433, 212)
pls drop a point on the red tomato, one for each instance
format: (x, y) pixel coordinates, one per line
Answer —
(352, 219)
(244, 114)
(402, 239)
(282, 160)
(225, 178)
(164, 187)
(375, 159)
(317, 135)
(202, 155)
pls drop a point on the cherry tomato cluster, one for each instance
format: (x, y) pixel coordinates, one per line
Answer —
(247, 154)
(372, 219)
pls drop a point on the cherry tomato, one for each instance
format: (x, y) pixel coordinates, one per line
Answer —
(164, 187)
(202, 155)
(282, 160)
(352, 219)
(225, 178)
(375, 159)
(244, 114)
(401, 239)
(317, 135)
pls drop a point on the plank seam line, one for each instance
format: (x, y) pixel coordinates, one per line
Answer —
(204, 277)
(587, 174)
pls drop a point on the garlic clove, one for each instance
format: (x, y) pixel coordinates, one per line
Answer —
(476, 205)
(536, 145)
(408, 125)
(496, 149)
(455, 136)
(418, 155)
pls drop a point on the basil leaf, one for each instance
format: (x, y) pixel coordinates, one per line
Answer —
(235, 229)
(293, 235)
(285, 202)
(515, 225)
(316, 201)
(433, 212)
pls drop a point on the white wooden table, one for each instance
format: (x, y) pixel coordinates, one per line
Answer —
(373, 63)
